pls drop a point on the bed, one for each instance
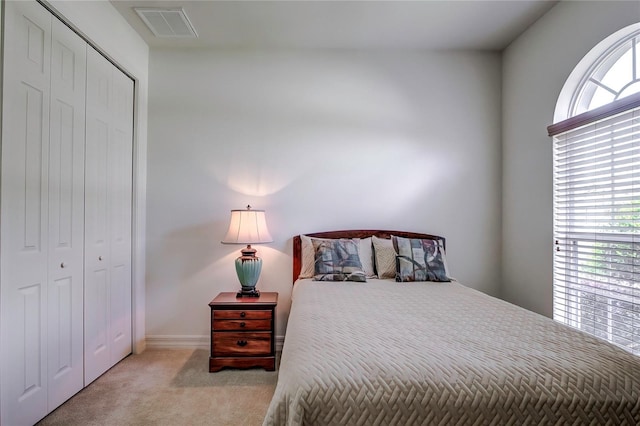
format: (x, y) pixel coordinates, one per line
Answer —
(382, 352)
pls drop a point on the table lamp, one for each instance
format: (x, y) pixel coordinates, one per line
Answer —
(248, 227)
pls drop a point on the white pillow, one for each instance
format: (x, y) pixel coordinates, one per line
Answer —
(385, 257)
(308, 256)
(366, 257)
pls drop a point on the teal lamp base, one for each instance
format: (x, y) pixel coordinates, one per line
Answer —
(248, 268)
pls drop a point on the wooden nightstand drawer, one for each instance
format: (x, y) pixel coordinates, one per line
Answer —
(242, 325)
(241, 314)
(234, 344)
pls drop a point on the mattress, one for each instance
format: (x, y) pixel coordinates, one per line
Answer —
(387, 353)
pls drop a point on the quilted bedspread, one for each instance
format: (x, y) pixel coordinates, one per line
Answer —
(387, 353)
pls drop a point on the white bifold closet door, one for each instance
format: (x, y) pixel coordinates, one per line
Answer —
(108, 171)
(42, 204)
(66, 209)
(65, 214)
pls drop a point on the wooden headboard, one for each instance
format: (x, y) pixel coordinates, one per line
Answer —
(361, 233)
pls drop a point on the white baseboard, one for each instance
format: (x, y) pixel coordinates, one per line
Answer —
(171, 341)
(181, 341)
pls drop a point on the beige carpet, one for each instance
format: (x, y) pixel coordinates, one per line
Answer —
(169, 387)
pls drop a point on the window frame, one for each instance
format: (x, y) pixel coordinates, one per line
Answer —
(599, 69)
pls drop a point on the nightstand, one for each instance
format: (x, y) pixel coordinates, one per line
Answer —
(243, 331)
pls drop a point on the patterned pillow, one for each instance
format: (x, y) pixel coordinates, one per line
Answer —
(338, 260)
(385, 257)
(420, 260)
(307, 269)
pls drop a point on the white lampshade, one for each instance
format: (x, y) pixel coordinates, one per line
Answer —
(247, 227)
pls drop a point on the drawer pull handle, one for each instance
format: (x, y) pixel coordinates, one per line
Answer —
(243, 314)
(242, 343)
(62, 265)
(242, 324)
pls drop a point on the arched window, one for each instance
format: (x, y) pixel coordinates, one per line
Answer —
(614, 76)
(596, 277)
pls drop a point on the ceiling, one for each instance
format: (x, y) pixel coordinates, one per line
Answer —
(356, 24)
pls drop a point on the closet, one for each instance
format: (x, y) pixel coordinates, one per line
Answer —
(65, 214)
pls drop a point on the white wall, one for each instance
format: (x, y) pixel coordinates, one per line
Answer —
(322, 140)
(100, 23)
(535, 68)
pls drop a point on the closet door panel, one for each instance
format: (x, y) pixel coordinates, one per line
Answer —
(66, 214)
(97, 256)
(120, 312)
(108, 181)
(23, 209)
(120, 179)
(97, 349)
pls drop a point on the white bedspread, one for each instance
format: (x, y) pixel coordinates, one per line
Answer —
(387, 353)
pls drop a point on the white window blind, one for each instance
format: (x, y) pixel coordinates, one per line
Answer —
(597, 228)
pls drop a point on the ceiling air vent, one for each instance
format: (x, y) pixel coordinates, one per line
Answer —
(167, 23)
